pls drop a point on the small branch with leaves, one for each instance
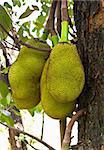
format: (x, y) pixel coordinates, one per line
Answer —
(23, 43)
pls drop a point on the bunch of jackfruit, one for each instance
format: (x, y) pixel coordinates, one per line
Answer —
(56, 79)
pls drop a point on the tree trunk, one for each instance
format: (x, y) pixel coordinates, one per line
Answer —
(16, 145)
(12, 140)
(89, 21)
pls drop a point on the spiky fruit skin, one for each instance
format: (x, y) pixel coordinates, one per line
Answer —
(65, 75)
(25, 73)
(53, 108)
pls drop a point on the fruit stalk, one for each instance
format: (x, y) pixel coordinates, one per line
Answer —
(54, 38)
(64, 24)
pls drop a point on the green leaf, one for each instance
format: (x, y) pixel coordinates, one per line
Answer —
(5, 21)
(41, 19)
(3, 88)
(5, 70)
(45, 8)
(31, 111)
(16, 2)
(26, 13)
(35, 7)
(5, 101)
(24, 28)
(36, 109)
(38, 25)
(7, 5)
(7, 119)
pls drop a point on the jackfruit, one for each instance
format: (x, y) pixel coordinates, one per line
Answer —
(53, 108)
(65, 73)
(25, 73)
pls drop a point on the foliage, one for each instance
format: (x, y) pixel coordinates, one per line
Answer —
(5, 21)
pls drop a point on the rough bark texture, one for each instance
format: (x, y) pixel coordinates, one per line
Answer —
(89, 21)
(12, 140)
(13, 134)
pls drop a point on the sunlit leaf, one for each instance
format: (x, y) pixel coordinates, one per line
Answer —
(45, 8)
(36, 109)
(7, 119)
(24, 28)
(27, 12)
(3, 88)
(38, 25)
(16, 2)
(41, 19)
(5, 101)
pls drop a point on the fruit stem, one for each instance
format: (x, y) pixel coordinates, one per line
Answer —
(64, 31)
(54, 38)
(64, 24)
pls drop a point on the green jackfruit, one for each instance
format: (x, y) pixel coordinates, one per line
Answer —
(65, 74)
(52, 107)
(25, 73)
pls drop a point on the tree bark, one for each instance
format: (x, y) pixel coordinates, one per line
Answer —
(12, 134)
(62, 129)
(12, 140)
(89, 21)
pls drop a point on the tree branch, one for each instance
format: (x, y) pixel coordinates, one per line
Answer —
(67, 138)
(26, 142)
(50, 21)
(58, 14)
(62, 128)
(42, 125)
(25, 133)
(23, 43)
(5, 54)
(64, 11)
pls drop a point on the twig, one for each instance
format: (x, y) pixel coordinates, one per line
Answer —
(67, 137)
(11, 44)
(62, 128)
(58, 14)
(35, 48)
(25, 44)
(12, 48)
(64, 11)
(25, 133)
(70, 23)
(42, 125)
(5, 54)
(50, 21)
(26, 142)
(75, 147)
